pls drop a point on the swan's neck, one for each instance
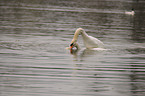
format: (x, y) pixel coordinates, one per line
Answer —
(76, 35)
(83, 33)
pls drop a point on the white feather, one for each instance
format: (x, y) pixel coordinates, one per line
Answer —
(89, 41)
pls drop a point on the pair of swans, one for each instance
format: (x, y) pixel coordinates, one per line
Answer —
(89, 41)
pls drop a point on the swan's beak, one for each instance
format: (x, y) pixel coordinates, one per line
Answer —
(71, 45)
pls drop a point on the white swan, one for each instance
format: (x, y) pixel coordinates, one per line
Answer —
(89, 41)
(130, 13)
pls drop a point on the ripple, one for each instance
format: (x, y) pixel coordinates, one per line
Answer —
(33, 59)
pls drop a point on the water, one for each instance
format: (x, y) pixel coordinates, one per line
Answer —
(34, 35)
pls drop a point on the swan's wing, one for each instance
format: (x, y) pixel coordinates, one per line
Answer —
(97, 42)
(91, 42)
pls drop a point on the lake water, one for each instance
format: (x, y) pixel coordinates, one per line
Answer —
(35, 33)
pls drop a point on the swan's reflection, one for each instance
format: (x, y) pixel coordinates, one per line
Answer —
(79, 54)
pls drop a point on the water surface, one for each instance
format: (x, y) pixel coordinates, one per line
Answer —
(34, 35)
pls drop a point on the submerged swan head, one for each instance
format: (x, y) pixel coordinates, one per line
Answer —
(75, 38)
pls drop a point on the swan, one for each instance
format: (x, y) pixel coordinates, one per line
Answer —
(130, 13)
(89, 41)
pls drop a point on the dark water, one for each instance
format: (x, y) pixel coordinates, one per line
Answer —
(35, 33)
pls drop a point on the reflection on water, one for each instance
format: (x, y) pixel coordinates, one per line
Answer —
(34, 35)
(84, 53)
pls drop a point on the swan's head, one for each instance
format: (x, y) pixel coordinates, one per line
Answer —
(73, 44)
